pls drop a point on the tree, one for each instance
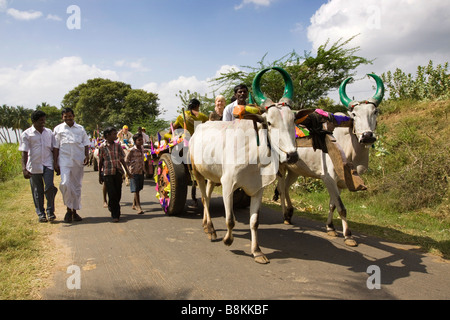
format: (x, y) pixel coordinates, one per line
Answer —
(53, 117)
(430, 83)
(313, 76)
(102, 102)
(13, 119)
(206, 104)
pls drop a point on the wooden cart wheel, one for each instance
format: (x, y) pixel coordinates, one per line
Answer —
(171, 185)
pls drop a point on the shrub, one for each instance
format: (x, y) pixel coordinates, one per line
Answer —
(10, 161)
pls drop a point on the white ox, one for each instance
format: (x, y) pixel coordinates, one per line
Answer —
(244, 154)
(354, 141)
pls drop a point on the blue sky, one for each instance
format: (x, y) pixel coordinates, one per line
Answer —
(168, 45)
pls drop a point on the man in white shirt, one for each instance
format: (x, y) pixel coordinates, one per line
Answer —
(71, 154)
(241, 95)
(37, 164)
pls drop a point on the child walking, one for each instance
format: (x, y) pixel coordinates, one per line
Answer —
(111, 159)
(135, 163)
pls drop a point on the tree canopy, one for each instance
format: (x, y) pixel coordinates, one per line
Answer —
(99, 103)
(313, 76)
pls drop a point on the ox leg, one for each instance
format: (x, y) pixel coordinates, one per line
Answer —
(286, 203)
(207, 189)
(331, 230)
(227, 195)
(255, 204)
(348, 239)
(336, 202)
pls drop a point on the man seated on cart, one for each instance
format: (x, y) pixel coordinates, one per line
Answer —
(190, 117)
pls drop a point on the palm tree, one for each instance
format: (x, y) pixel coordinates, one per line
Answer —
(20, 121)
(7, 119)
(2, 121)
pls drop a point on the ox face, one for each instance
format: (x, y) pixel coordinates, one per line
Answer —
(364, 118)
(364, 114)
(281, 130)
(279, 117)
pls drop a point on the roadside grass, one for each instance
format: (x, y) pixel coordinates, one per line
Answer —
(26, 256)
(373, 215)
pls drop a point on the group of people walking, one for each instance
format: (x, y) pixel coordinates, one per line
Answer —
(65, 150)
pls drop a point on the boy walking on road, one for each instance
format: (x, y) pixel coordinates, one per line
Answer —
(135, 163)
(111, 159)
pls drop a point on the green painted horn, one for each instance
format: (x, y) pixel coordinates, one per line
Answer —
(378, 97)
(289, 85)
(261, 99)
(343, 94)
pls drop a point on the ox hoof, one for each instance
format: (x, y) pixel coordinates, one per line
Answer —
(228, 241)
(262, 259)
(350, 242)
(332, 233)
(212, 236)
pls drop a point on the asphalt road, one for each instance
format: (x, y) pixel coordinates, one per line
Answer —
(153, 256)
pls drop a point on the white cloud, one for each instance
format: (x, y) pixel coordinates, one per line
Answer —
(53, 17)
(49, 81)
(3, 5)
(46, 81)
(398, 34)
(167, 91)
(24, 15)
(136, 65)
(257, 3)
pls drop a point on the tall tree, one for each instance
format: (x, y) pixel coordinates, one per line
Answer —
(313, 76)
(102, 102)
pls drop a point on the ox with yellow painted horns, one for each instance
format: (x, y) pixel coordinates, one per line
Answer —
(354, 142)
(245, 153)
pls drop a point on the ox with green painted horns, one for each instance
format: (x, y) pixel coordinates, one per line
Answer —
(245, 153)
(354, 142)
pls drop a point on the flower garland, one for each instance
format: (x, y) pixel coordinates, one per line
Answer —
(162, 176)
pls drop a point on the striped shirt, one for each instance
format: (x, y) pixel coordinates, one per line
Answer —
(111, 155)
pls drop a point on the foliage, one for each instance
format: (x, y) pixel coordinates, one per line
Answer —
(206, 104)
(10, 161)
(410, 162)
(152, 126)
(53, 117)
(429, 83)
(99, 103)
(15, 119)
(313, 76)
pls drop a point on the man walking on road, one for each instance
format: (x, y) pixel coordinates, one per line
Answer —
(71, 154)
(37, 165)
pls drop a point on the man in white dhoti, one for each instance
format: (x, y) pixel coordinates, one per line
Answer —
(71, 154)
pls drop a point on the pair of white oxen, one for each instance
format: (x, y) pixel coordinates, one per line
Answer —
(250, 155)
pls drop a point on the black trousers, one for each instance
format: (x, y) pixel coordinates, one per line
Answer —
(114, 189)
